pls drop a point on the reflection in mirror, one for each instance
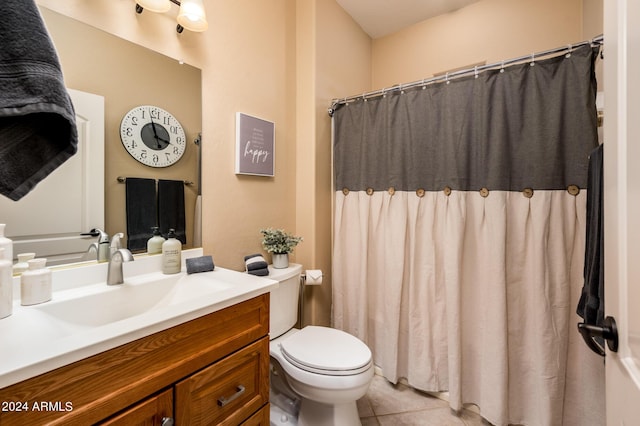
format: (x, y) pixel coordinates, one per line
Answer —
(124, 75)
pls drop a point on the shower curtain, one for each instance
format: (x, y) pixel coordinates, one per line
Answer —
(459, 238)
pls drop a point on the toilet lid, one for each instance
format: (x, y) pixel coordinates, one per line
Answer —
(327, 351)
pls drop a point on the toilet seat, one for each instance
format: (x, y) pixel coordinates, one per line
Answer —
(327, 351)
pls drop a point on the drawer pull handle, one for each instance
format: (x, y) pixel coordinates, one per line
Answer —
(166, 421)
(222, 401)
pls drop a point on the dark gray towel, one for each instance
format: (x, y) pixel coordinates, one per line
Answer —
(259, 272)
(37, 120)
(591, 303)
(171, 213)
(199, 264)
(141, 210)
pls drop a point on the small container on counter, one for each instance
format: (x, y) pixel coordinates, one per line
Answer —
(6, 286)
(154, 244)
(6, 244)
(171, 254)
(35, 283)
(22, 264)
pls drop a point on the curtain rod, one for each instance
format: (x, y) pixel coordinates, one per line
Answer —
(456, 74)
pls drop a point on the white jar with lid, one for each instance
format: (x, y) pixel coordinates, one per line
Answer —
(35, 283)
(22, 264)
(6, 286)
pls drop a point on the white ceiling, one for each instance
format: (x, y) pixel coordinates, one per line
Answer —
(382, 17)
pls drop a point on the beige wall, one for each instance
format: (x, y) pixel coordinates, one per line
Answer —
(487, 31)
(334, 59)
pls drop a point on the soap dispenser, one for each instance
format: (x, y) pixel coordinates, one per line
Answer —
(171, 254)
(154, 244)
(6, 286)
(35, 283)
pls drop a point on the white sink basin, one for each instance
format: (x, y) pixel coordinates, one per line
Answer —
(101, 304)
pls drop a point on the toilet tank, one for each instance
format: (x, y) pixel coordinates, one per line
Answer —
(284, 300)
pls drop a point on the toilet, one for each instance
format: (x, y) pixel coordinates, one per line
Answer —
(317, 373)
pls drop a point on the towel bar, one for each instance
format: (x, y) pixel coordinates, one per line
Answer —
(122, 179)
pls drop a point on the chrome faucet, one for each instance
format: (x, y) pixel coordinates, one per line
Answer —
(102, 245)
(114, 271)
(92, 252)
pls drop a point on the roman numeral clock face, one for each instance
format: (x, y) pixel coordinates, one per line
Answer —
(152, 136)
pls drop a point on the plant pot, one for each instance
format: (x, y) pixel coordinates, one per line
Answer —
(280, 261)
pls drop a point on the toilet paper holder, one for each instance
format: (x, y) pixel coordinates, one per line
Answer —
(308, 277)
(312, 277)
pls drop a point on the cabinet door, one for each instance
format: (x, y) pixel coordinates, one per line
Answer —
(150, 412)
(227, 392)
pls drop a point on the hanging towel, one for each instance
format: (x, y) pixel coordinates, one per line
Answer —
(591, 304)
(37, 120)
(171, 213)
(141, 210)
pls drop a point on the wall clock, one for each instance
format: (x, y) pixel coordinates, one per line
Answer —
(152, 136)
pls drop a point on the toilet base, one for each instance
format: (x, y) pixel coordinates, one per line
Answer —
(314, 413)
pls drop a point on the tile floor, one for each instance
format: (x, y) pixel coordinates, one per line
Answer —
(398, 405)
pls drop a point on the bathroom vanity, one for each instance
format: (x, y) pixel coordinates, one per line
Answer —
(210, 366)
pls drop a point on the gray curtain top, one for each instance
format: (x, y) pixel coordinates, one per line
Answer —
(523, 127)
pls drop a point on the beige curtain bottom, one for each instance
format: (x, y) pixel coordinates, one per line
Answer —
(472, 295)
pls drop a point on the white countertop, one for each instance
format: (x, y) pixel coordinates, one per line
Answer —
(37, 339)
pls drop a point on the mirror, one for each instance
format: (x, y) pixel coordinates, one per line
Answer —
(126, 75)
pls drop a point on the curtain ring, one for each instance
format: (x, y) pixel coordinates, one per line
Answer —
(345, 191)
(484, 192)
(391, 190)
(420, 192)
(573, 189)
(447, 191)
(370, 191)
(527, 192)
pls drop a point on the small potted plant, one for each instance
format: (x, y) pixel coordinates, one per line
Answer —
(279, 244)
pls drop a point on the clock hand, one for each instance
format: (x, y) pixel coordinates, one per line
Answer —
(153, 126)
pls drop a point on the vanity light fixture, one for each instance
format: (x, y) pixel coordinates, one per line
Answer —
(191, 16)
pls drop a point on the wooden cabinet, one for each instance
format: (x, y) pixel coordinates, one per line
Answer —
(150, 412)
(211, 370)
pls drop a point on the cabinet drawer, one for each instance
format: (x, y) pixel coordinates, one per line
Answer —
(227, 392)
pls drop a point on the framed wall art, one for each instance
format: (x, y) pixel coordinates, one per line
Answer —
(255, 146)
